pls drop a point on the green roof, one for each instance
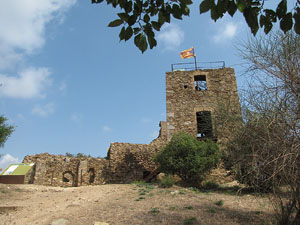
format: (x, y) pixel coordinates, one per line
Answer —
(17, 169)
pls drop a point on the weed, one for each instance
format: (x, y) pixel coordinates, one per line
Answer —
(211, 185)
(190, 221)
(257, 212)
(212, 210)
(139, 182)
(188, 207)
(195, 190)
(182, 192)
(167, 182)
(219, 203)
(172, 208)
(154, 210)
(2, 190)
(140, 198)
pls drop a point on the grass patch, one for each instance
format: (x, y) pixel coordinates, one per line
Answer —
(167, 182)
(190, 221)
(140, 198)
(219, 203)
(3, 190)
(188, 207)
(173, 208)
(210, 185)
(154, 210)
(212, 210)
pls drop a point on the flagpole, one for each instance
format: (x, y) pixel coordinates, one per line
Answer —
(195, 58)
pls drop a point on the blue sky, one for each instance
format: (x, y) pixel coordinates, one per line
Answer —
(69, 85)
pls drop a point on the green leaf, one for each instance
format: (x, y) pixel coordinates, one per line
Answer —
(271, 15)
(214, 13)
(141, 42)
(148, 30)
(241, 5)
(161, 18)
(156, 25)
(152, 42)
(231, 8)
(146, 18)
(136, 30)
(281, 9)
(176, 12)
(286, 23)
(206, 5)
(185, 10)
(132, 20)
(264, 21)
(115, 23)
(297, 21)
(122, 34)
(128, 33)
(250, 15)
(186, 2)
(123, 16)
(128, 7)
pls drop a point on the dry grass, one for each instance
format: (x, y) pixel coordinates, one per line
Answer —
(133, 204)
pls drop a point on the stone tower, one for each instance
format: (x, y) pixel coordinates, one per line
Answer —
(194, 97)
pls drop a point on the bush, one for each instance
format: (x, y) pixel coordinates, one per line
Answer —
(188, 157)
(167, 181)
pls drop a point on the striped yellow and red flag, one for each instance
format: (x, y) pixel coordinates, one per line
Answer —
(189, 53)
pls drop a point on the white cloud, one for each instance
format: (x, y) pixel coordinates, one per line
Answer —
(6, 160)
(30, 83)
(106, 128)
(171, 36)
(22, 26)
(226, 31)
(43, 110)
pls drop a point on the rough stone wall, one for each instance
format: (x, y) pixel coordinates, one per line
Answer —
(183, 100)
(59, 170)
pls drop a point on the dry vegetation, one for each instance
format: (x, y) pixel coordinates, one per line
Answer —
(130, 204)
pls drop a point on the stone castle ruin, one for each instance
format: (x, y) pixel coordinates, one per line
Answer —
(192, 99)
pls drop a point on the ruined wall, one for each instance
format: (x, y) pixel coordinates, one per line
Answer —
(184, 100)
(59, 170)
(130, 162)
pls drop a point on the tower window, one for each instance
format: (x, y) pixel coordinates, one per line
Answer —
(204, 125)
(200, 82)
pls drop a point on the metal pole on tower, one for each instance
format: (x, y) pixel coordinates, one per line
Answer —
(195, 58)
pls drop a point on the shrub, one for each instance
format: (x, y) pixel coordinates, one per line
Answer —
(188, 157)
(167, 181)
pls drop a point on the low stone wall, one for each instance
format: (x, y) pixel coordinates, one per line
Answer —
(125, 163)
(59, 170)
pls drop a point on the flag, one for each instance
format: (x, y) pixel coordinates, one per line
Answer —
(189, 53)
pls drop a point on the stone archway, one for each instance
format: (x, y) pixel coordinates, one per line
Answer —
(91, 175)
(68, 178)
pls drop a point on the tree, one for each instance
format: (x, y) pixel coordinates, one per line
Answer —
(140, 17)
(5, 130)
(188, 157)
(265, 149)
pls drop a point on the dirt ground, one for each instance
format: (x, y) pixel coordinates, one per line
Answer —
(130, 204)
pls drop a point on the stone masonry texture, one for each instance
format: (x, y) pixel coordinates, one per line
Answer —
(126, 162)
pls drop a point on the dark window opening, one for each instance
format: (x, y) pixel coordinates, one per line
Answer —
(146, 174)
(92, 175)
(185, 86)
(68, 176)
(204, 125)
(200, 83)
